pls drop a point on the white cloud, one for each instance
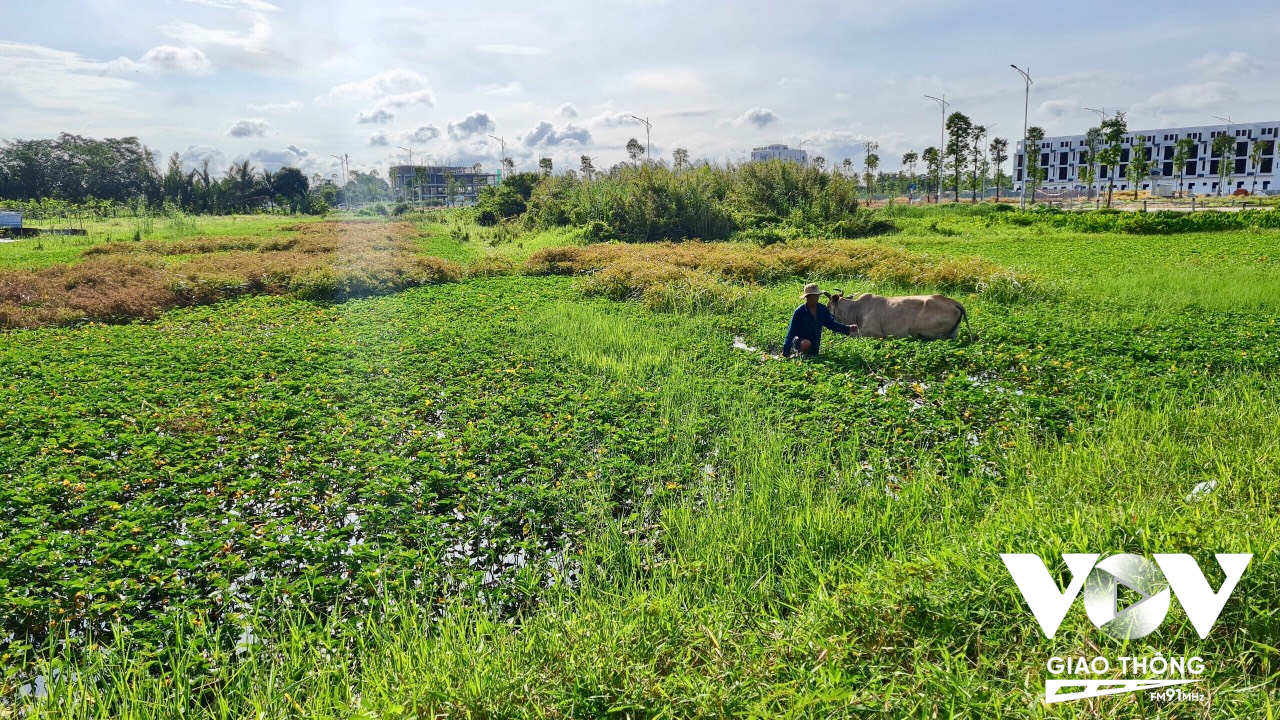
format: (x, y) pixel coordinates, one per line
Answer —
(249, 127)
(417, 97)
(379, 138)
(56, 79)
(473, 124)
(758, 116)
(376, 117)
(292, 156)
(510, 50)
(255, 40)
(1203, 96)
(1058, 108)
(547, 135)
(194, 156)
(398, 88)
(669, 80)
(567, 110)
(609, 119)
(1224, 67)
(510, 88)
(423, 134)
(164, 59)
(283, 107)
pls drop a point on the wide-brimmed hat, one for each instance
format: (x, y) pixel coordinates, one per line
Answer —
(810, 289)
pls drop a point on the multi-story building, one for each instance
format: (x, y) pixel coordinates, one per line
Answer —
(434, 183)
(1063, 157)
(779, 152)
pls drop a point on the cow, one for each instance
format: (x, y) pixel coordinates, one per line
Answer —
(925, 317)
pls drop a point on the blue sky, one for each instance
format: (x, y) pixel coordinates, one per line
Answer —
(296, 82)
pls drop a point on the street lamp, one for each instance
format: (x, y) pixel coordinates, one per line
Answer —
(504, 151)
(1102, 115)
(342, 159)
(942, 139)
(647, 128)
(1026, 151)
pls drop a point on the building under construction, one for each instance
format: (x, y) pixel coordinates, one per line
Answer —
(439, 184)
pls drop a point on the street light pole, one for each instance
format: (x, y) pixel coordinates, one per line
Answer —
(504, 151)
(942, 140)
(342, 160)
(1026, 151)
(647, 128)
(410, 151)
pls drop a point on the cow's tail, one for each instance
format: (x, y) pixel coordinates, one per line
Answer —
(964, 316)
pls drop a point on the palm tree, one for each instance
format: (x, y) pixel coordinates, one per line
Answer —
(1222, 146)
(909, 162)
(999, 153)
(1260, 148)
(1181, 154)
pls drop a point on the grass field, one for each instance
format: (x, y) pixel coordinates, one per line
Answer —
(501, 497)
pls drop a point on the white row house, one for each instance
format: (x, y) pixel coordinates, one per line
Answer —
(779, 152)
(1063, 157)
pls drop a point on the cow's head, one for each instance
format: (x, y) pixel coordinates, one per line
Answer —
(834, 298)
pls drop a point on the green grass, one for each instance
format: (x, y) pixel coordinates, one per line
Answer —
(712, 533)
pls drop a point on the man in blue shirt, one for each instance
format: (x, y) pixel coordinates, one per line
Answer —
(804, 335)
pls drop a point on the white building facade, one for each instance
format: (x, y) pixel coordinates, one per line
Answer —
(779, 152)
(1063, 157)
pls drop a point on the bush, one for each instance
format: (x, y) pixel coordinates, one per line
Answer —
(596, 231)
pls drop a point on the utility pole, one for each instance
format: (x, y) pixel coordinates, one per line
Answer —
(343, 161)
(1026, 151)
(503, 141)
(942, 139)
(411, 166)
(647, 127)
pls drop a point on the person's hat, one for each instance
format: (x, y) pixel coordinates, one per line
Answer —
(810, 289)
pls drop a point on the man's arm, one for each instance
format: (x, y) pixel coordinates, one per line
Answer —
(834, 325)
(791, 334)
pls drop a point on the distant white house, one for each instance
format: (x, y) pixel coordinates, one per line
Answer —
(779, 152)
(1063, 156)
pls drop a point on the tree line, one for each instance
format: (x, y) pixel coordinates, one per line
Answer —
(113, 172)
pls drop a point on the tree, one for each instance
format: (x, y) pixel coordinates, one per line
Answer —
(999, 153)
(544, 164)
(933, 168)
(1222, 147)
(978, 174)
(1181, 155)
(1113, 130)
(1139, 163)
(909, 162)
(508, 167)
(292, 185)
(846, 166)
(1035, 173)
(680, 158)
(1260, 148)
(634, 150)
(587, 168)
(819, 162)
(959, 127)
(1089, 158)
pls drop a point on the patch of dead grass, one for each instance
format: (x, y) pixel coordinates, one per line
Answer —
(124, 281)
(721, 273)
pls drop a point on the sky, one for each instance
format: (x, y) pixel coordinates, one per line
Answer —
(296, 83)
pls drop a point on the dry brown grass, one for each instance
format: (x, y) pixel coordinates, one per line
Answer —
(124, 281)
(722, 273)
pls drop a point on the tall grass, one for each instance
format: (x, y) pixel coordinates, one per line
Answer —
(651, 202)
